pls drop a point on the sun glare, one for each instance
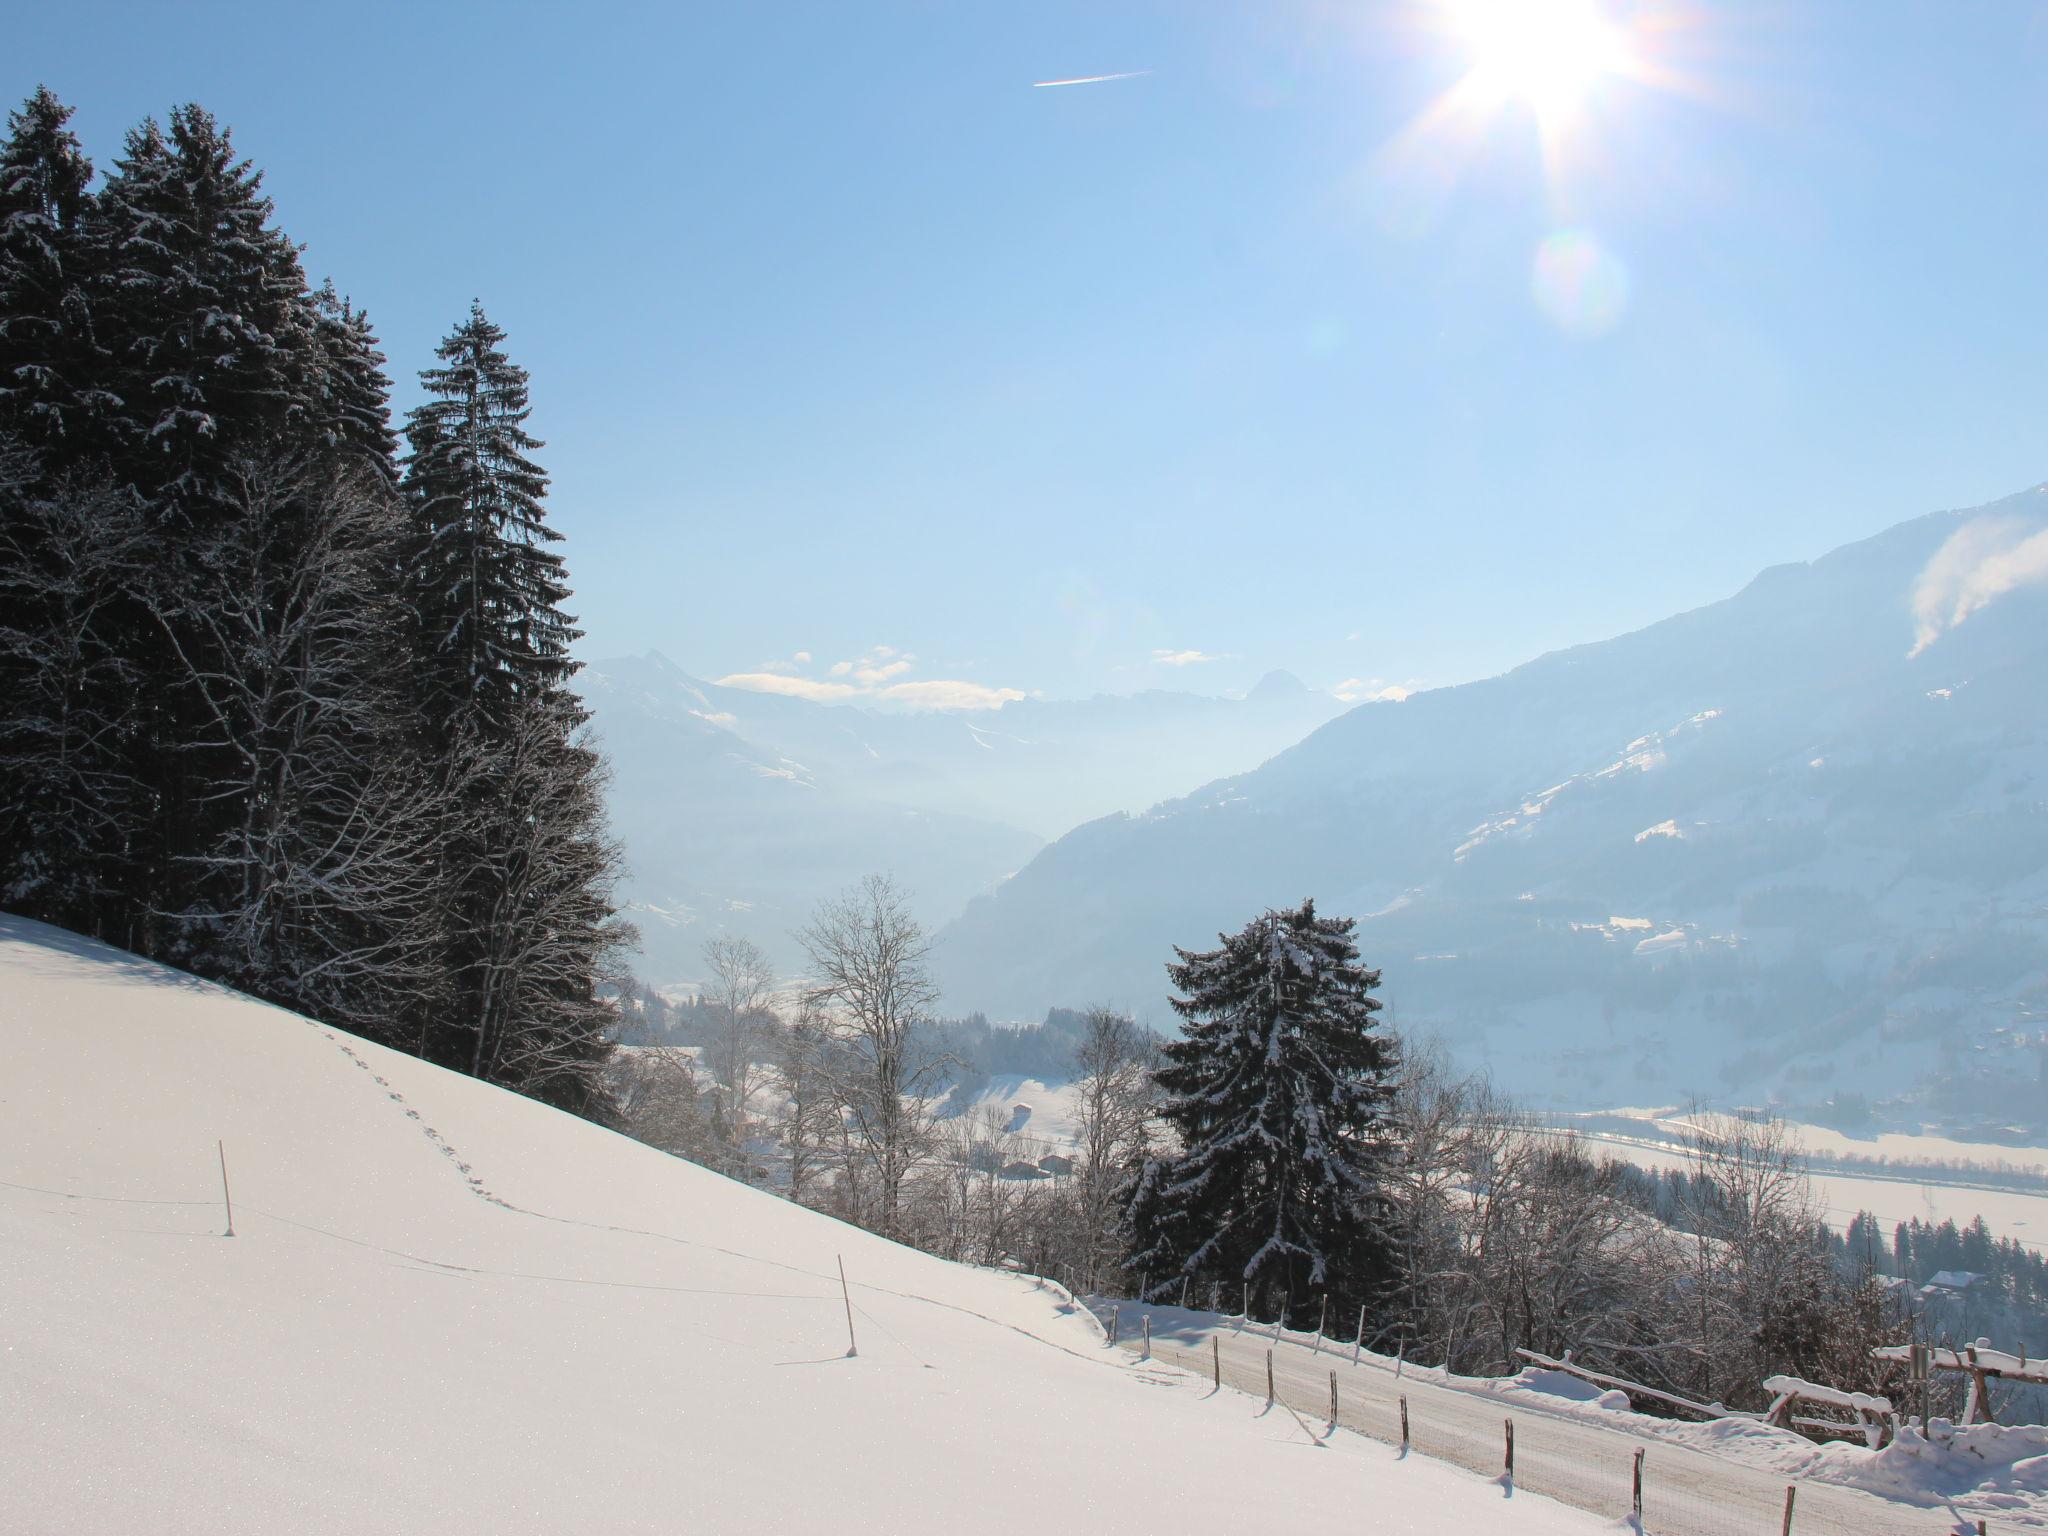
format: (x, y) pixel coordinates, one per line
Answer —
(1547, 53)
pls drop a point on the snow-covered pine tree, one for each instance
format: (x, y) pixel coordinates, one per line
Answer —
(353, 412)
(486, 590)
(202, 304)
(199, 306)
(1277, 1094)
(523, 904)
(45, 329)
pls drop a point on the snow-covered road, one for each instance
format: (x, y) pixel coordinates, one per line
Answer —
(1577, 1452)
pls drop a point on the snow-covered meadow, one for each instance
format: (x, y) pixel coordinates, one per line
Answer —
(448, 1308)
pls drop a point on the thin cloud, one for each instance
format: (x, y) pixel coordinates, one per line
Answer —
(1371, 690)
(1127, 74)
(1183, 658)
(814, 689)
(877, 675)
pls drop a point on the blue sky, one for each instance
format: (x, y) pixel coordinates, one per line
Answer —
(845, 338)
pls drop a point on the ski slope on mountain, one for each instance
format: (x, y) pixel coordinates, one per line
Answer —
(449, 1309)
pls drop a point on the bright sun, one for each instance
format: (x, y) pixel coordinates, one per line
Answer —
(1546, 53)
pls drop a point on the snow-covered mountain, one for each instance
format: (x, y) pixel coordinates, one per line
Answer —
(739, 810)
(724, 834)
(1793, 844)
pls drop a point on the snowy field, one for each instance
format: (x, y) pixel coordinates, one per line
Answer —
(449, 1309)
(1960, 1196)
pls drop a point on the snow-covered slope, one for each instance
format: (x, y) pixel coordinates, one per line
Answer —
(448, 1309)
(1780, 846)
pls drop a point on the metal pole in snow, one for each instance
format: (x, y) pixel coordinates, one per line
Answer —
(226, 1198)
(1791, 1493)
(1270, 1393)
(846, 1296)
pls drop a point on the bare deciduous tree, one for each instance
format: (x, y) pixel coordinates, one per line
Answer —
(871, 987)
(741, 993)
(1116, 1128)
(812, 1122)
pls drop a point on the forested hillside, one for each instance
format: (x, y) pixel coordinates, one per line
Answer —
(283, 704)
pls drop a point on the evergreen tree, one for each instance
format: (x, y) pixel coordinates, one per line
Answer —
(45, 329)
(353, 415)
(487, 592)
(522, 910)
(1278, 1095)
(203, 308)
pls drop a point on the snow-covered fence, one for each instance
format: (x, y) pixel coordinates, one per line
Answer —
(1526, 1454)
(1876, 1423)
(1633, 1388)
(1980, 1362)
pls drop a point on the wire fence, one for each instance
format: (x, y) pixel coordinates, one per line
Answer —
(1658, 1494)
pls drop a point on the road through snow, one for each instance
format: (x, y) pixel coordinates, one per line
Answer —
(1562, 1449)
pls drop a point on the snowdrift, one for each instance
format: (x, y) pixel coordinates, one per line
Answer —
(449, 1309)
(2005, 1465)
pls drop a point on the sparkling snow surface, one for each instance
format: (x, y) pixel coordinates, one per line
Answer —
(448, 1309)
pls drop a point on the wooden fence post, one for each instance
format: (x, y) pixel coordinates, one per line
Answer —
(1639, 1487)
(1216, 1359)
(1404, 1428)
(1360, 1344)
(845, 1295)
(1246, 1314)
(1333, 1399)
(1980, 1393)
(1183, 1292)
(1147, 1320)
(1271, 1395)
(1113, 1311)
(226, 1198)
(1322, 1318)
(1791, 1493)
(1510, 1469)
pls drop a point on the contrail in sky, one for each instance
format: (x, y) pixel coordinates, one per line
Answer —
(1129, 74)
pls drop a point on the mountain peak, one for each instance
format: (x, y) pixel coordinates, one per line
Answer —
(1278, 684)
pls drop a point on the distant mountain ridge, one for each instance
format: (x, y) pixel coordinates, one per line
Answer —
(740, 809)
(1767, 848)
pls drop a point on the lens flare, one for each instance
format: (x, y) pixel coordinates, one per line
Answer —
(1580, 286)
